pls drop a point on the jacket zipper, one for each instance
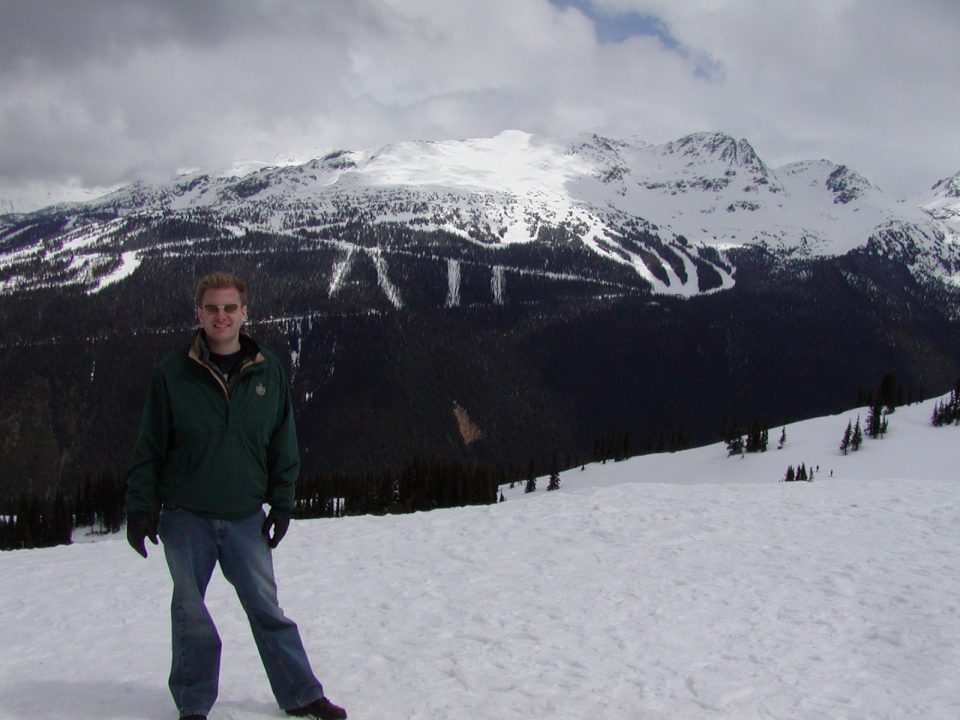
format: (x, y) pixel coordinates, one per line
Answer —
(218, 377)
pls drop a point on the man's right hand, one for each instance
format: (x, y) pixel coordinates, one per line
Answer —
(140, 527)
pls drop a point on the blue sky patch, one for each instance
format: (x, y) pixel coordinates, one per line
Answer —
(613, 27)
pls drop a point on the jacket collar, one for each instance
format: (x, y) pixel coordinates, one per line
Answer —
(200, 352)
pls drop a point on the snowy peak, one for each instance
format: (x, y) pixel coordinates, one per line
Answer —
(702, 148)
(337, 161)
(948, 188)
(943, 204)
(847, 185)
(843, 184)
(713, 169)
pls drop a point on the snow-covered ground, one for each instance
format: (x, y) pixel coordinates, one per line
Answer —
(682, 586)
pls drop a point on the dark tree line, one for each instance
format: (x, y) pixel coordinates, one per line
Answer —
(619, 446)
(35, 522)
(756, 439)
(888, 394)
(31, 522)
(418, 486)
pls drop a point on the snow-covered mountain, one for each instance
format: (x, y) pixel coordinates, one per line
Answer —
(943, 202)
(562, 294)
(668, 213)
(672, 587)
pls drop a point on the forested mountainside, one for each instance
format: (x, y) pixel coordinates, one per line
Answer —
(609, 298)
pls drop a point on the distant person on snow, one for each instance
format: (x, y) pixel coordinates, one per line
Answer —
(216, 442)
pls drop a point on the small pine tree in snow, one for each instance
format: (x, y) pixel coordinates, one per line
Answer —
(733, 437)
(936, 419)
(758, 438)
(856, 440)
(554, 481)
(735, 445)
(531, 485)
(801, 474)
(783, 438)
(847, 438)
(947, 412)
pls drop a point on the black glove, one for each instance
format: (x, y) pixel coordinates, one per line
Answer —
(140, 527)
(280, 523)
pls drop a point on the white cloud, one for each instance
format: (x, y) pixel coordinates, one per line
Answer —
(867, 83)
(108, 91)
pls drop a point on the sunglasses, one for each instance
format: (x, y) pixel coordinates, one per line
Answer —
(211, 309)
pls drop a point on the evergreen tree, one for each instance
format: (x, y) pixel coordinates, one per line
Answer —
(554, 481)
(735, 446)
(856, 440)
(847, 438)
(753, 438)
(734, 439)
(783, 438)
(874, 419)
(791, 475)
(948, 411)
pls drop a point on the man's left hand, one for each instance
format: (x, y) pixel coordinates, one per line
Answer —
(279, 523)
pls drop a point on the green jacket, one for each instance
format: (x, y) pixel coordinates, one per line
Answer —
(218, 449)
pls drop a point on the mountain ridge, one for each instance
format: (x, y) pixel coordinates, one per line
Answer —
(661, 210)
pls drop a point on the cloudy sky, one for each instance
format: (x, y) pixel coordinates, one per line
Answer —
(99, 92)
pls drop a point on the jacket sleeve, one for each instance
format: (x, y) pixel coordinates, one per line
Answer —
(150, 452)
(283, 455)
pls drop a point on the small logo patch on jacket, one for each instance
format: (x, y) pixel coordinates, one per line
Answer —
(261, 390)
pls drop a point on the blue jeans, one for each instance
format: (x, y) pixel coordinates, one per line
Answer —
(193, 545)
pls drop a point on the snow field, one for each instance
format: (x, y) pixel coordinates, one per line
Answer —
(736, 598)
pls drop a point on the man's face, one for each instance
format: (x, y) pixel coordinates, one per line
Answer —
(222, 325)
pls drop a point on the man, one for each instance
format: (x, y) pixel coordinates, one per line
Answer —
(216, 442)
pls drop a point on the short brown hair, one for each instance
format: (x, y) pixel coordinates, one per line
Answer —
(221, 280)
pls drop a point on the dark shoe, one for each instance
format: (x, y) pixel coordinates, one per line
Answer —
(193, 717)
(321, 709)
